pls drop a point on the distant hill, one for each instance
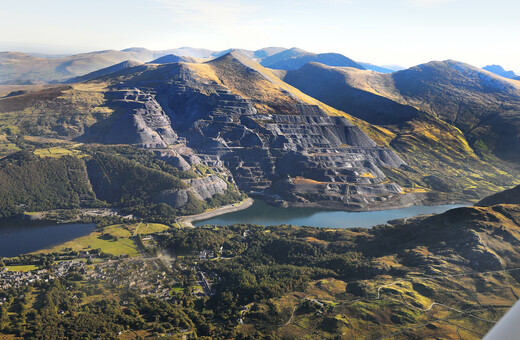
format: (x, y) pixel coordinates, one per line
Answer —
(304, 135)
(376, 68)
(172, 58)
(20, 67)
(497, 69)
(263, 53)
(105, 71)
(30, 69)
(294, 58)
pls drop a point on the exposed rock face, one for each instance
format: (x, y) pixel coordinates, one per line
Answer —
(236, 114)
(143, 122)
(180, 156)
(202, 188)
(262, 149)
(207, 187)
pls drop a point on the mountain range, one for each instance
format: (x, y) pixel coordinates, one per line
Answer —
(25, 69)
(298, 132)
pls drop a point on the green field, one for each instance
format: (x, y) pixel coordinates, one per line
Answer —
(57, 152)
(23, 268)
(120, 243)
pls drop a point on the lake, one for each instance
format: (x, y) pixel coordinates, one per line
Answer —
(22, 238)
(264, 214)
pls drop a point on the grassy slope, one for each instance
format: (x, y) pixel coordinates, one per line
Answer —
(472, 279)
(441, 156)
(123, 245)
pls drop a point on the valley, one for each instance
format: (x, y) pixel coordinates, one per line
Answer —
(448, 275)
(149, 149)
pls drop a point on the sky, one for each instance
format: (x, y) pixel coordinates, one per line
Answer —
(403, 32)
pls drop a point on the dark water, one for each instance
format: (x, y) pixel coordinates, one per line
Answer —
(265, 214)
(21, 239)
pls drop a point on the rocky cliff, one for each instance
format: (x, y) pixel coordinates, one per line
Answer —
(232, 115)
(234, 112)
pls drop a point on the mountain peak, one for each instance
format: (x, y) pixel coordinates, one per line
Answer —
(172, 58)
(499, 70)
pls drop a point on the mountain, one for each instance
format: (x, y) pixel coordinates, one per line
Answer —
(376, 68)
(21, 68)
(105, 71)
(431, 133)
(497, 69)
(201, 53)
(17, 67)
(172, 58)
(274, 139)
(511, 196)
(452, 112)
(28, 69)
(295, 58)
(261, 54)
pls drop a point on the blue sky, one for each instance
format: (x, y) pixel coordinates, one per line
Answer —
(405, 32)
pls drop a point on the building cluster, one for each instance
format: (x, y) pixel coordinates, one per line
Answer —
(15, 279)
(140, 274)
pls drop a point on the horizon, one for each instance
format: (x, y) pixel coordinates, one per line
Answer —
(405, 32)
(48, 53)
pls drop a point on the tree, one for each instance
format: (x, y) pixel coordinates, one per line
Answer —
(4, 317)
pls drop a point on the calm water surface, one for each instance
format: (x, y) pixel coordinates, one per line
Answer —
(21, 239)
(265, 214)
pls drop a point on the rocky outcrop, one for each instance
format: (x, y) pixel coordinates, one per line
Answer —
(238, 116)
(143, 122)
(202, 188)
(179, 156)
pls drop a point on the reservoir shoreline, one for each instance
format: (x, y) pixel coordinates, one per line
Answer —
(186, 221)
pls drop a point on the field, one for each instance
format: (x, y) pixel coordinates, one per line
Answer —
(6, 147)
(114, 239)
(23, 268)
(57, 152)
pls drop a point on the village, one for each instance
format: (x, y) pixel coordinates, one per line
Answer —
(160, 276)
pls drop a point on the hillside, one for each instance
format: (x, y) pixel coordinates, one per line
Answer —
(29, 69)
(449, 276)
(232, 111)
(510, 196)
(20, 68)
(105, 71)
(49, 175)
(400, 143)
(24, 69)
(295, 58)
(499, 70)
(447, 111)
(172, 58)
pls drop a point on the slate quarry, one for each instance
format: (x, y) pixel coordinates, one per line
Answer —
(293, 152)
